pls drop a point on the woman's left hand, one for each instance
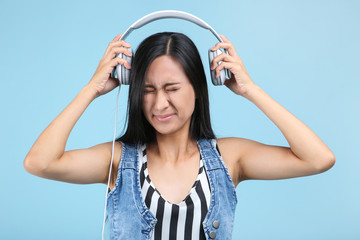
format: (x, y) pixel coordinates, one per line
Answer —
(240, 80)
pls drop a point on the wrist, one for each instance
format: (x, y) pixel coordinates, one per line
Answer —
(250, 90)
(90, 91)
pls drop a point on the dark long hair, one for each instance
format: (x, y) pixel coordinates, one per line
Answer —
(182, 49)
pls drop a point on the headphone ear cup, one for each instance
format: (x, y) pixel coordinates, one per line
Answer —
(221, 79)
(123, 74)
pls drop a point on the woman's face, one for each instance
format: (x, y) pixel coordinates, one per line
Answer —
(169, 97)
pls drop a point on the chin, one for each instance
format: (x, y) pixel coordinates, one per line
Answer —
(164, 130)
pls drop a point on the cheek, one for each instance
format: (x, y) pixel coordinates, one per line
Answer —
(190, 96)
(186, 101)
(145, 106)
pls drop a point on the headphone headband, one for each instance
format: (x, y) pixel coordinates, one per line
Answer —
(169, 14)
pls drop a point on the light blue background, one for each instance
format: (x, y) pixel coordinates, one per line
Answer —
(304, 54)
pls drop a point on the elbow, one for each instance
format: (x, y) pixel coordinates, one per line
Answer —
(32, 166)
(29, 165)
(326, 163)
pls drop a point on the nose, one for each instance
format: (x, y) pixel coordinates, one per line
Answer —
(161, 101)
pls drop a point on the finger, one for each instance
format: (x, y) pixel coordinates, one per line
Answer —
(221, 45)
(121, 43)
(224, 38)
(221, 57)
(228, 46)
(116, 61)
(223, 65)
(116, 50)
(109, 66)
(116, 44)
(117, 37)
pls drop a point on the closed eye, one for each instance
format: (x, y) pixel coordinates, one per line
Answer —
(149, 90)
(168, 90)
(172, 90)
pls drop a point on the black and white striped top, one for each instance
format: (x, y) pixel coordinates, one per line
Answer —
(176, 221)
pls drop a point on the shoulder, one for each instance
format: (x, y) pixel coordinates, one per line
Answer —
(231, 144)
(231, 150)
(108, 148)
(236, 148)
(230, 147)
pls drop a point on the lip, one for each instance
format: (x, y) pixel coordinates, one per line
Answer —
(164, 118)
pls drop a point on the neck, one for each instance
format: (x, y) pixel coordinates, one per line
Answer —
(174, 148)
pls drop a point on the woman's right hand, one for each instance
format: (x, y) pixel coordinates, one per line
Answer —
(102, 81)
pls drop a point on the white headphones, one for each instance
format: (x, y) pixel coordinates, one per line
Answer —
(122, 73)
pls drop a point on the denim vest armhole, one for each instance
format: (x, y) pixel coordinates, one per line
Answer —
(111, 209)
(119, 169)
(213, 143)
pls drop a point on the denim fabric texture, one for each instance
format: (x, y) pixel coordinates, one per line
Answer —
(129, 218)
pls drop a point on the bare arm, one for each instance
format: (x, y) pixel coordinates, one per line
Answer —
(47, 157)
(50, 145)
(306, 148)
(307, 154)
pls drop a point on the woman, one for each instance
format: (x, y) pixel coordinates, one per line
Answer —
(169, 146)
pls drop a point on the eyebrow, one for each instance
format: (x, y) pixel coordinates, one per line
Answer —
(165, 85)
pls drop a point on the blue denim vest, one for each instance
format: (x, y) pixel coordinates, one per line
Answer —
(129, 218)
